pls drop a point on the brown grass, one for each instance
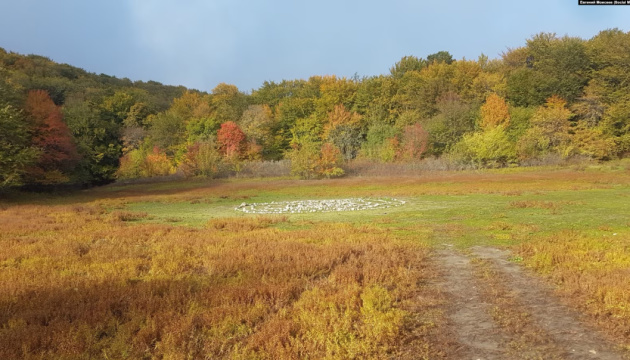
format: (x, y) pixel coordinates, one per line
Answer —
(73, 286)
(550, 205)
(526, 339)
(591, 272)
(127, 215)
(425, 183)
(246, 223)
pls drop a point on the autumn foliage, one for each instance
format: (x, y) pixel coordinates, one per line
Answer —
(83, 125)
(494, 112)
(144, 163)
(231, 139)
(58, 153)
(340, 117)
(414, 142)
(329, 161)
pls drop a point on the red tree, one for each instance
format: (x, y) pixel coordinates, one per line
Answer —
(414, 142)
(231, 139)
(52, 136)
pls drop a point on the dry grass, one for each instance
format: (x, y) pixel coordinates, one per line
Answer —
(526, 340)
(549, 205)
(92, 279)
(591, 272)
(127, 215)
(78, 283)
(426, 183)
(246, 223)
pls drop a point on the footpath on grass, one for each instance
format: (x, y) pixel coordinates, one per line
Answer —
(498, 310)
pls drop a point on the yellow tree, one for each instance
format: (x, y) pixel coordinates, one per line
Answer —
(343, 129)
(553, 120)
(549, 130)
(191, 105)
(338, 117)
(494, 112)
(465, 73)
(334, 91)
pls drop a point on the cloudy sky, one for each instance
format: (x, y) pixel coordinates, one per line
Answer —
(201, 43)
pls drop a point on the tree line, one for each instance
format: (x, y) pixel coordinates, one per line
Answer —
(552, 97)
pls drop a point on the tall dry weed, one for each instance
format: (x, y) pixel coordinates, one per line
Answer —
(76, 284)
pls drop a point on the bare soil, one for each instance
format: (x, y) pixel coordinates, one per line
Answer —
(511, 314)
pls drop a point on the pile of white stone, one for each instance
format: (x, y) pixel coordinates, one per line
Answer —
(313, 206)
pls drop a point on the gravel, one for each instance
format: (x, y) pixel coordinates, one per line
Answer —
(314, 206)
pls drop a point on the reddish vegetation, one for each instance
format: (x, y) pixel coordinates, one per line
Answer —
(51, 136)
(91, 281)
(231, 139)
(79, 282)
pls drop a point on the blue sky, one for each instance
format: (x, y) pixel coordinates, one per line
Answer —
(201, 43)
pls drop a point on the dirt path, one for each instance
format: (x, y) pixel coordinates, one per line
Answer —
(499, 311)
(469, 316)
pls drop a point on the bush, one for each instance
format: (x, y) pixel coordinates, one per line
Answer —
(490, 148)
(309, 161)
(592, 142)
(201, 159)
(378, 144)
(141, 163)
(329, 161)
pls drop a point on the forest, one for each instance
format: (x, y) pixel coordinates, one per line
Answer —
(552, 99)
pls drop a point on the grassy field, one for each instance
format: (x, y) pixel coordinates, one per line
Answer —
(170, 270)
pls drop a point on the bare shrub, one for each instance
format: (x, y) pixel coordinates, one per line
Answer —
(270, 168)
(121, 215)
(246, 224)
(534, 204)
(365, 167)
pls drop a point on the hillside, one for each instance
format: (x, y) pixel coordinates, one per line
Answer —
(551, 99)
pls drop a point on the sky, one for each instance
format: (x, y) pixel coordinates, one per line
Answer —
(201, 43)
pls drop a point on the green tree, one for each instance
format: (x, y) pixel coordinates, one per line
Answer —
(167, 132)
(97, 140)
(563, 62)
(406, 64)
(609, 53)
(548, 66)
(373, 99)
(201, 129)
(126, 106)
(377, 145)
(527, 87)
(519, 121)
(420, 91)
(616, 123)
(347, 139)
(16, 151)
(227, 103)
(440, 57)
(454, 119)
